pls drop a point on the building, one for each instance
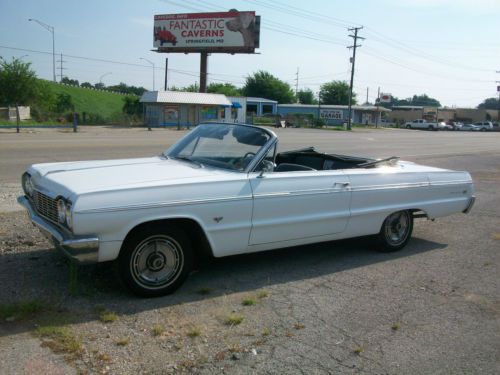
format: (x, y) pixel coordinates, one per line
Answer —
(260, 107)
(183, 109)
(335, 114)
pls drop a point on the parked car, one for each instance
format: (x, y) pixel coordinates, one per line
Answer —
(444, 126)
(456, 125)
(496, 127)
(223, 189)
(423, 124)
(469, 127)
(484, 125)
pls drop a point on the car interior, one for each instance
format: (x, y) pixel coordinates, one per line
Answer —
(310, 160)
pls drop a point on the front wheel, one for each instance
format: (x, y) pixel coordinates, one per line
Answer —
(395, 232)
(156, 260)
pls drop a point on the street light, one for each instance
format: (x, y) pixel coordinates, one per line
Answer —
(153, 64)
(104, 75)
(51, 29)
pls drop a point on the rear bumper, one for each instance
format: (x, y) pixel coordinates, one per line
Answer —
(472, 200)
(83, 250)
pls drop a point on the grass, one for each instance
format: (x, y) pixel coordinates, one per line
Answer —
(107, 316)
(233, 319)
(358, 350)
(396, 326)
(194, 332)
(124, 341)
(20, 310)
(103, 103)
(266, 332)
(263, 294)
(60, 339)
(248, 302)
(157, 330)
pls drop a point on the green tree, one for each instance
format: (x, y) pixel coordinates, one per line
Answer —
(336, 93)
(18, 84)
(192, 88)
(68, 81)
(265, 85)
(64, 102)
(306, 96)
(424, 100)
(132, 106)
(87, 85)
(227, 89)
(490, 103)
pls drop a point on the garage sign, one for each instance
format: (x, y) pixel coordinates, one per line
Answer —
(331, 114)
(229, 32)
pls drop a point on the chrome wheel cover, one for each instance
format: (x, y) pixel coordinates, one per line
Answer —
(157, 262)
(397, 228)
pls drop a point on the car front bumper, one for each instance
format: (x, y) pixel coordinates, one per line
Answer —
(83, 250)
(472, 200)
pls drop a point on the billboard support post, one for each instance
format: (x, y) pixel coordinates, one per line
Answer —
(166, 73)
(203, 71)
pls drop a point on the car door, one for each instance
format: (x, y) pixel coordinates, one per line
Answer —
(298, 204)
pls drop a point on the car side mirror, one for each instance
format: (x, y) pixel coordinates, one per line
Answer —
(266, 166)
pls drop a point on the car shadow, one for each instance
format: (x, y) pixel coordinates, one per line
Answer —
(46, 276)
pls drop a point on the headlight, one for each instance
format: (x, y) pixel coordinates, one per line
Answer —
(27, 185)
(61, 210)
(69, 216)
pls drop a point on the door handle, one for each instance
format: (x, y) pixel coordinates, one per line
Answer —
(341, 184)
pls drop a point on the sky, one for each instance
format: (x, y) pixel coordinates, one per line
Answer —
(447, 49)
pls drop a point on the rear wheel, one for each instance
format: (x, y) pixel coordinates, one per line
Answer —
(155, 261)
(408, 126)
(396, 231)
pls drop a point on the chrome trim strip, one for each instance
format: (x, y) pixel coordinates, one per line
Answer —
(162, 204)
(83, 250)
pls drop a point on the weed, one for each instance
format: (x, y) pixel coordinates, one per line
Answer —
(107, 316)
(298, 326)
(194, 332)
(20, 310)
(289, 334)
(157, 330)
(219, 356)
(248, 302)
(396, 326)
(263, 294)
(266, 332)
(124, 341)
(103, 357)
(358, 350)
(233, 319)
(60, 339)
(204, 291)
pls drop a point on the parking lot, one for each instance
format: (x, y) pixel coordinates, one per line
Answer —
(336, 307)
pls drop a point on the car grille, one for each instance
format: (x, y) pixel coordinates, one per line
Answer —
(45, 206)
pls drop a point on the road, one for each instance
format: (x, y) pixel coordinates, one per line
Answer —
(336, 307)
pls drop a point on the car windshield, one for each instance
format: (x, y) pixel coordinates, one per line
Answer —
(226, 146)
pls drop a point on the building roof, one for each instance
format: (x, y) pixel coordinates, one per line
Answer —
(181, 97)
(330, 106)
(261, 100)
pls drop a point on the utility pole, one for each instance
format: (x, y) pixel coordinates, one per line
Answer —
(367, 91)
(61, 67)
(203, 71)
(378, 102)
(297, 84)
(166, 73)
(353, 61)
(52, 31)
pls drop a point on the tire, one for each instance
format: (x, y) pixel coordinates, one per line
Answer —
(482, 130)
(395, 231)
(156, 260)
(408, 126)
(431, 128)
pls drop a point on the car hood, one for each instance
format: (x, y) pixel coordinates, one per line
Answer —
(81, 177)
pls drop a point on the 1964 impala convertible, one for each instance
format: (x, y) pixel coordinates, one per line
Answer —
(223, 190)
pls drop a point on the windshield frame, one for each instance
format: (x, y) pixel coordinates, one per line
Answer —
(273, 139)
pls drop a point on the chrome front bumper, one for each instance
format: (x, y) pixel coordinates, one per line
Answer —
(83, 250)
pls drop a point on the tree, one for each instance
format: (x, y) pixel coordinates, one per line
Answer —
(87, 85)
(64, 102)
(425, 101)
(99, 86)
(18, 84)
(126, 89)
(68, 81)
(264, 85)
(192, 88)
(336, 93)
(306, 96)
(227, 89)
(132, 106)
(490, 103)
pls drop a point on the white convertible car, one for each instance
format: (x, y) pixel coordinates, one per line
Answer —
(223, 189)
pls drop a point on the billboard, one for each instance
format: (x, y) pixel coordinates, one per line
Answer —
(225, 32)
(385, 98)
